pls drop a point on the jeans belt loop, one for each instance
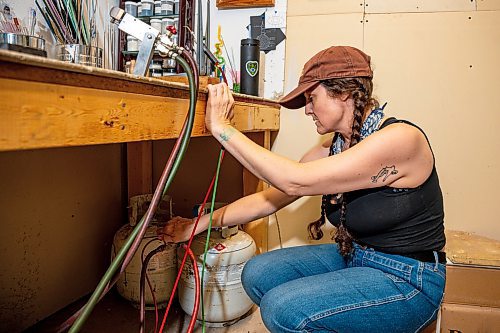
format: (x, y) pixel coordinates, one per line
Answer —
(436, 261)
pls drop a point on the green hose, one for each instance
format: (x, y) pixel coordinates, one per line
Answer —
(221, 155)
(115, 264)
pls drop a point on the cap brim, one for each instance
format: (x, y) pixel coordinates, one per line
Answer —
(295, 99)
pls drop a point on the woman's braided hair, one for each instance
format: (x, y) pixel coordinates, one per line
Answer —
(360, 90)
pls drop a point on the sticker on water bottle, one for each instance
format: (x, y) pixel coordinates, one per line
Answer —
(252, 67)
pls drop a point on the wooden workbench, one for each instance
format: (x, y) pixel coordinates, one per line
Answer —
(48, 103)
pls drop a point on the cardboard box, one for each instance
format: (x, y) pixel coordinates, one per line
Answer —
(472, 295)
(472, 285)
(457, 318)
(467, 248)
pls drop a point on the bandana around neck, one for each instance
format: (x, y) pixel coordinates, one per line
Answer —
(370, 125)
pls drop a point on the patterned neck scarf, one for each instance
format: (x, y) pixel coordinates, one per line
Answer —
(370, 125)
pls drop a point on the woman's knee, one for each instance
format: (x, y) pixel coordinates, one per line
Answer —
(277, 314)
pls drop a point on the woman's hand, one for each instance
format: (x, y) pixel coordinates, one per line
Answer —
(176, 230)
(220, 104)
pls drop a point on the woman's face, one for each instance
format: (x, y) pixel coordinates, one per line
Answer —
(328, 113)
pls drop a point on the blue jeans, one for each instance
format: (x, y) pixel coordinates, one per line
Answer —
(313, 289)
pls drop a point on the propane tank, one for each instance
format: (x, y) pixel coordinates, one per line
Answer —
(225, 301)
(162, 267)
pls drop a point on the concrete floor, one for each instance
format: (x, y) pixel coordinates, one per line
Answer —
(116, 315)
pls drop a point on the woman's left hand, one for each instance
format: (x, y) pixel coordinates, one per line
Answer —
(220, 104)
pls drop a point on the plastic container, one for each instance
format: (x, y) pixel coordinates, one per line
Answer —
(176, 7)
(132, 44)
(147, 8)
(157, 7)
(156, 24)
(131, 8)
(167, 7)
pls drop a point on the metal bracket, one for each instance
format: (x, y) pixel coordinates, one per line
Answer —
(145, 55)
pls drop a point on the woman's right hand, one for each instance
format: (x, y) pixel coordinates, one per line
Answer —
(176, 230)
(219, 109)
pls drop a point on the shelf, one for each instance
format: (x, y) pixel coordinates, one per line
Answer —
(49, 103)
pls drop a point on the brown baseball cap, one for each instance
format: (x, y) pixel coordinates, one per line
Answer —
(334, 62)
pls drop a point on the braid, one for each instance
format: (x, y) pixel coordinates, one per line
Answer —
(360, 90)
(342, 236)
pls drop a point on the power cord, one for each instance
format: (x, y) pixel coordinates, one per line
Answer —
(279, 231)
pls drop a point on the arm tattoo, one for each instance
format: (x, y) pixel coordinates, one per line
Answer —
(385, 173)
(227, 134)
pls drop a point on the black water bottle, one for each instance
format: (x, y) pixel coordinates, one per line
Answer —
(249, 66)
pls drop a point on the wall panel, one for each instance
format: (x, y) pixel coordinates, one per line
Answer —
(410, 6)
(323, 7)
(441, 70)
(488, 4)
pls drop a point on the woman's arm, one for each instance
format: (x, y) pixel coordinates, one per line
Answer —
(398, 155)
(241, 211)
(244, 210)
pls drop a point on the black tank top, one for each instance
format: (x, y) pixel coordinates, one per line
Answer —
(393, 220)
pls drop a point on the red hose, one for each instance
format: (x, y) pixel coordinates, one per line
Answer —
(186, 253)
(197, 289)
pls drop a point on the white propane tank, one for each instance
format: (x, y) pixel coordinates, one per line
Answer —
(224, 299)
(162, 269)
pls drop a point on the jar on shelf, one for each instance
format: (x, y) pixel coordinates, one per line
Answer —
(169, 67)
(147, 8)
(155, 69)
(176, 7)
(156, 24)
(131, 8)
(157, 11)
(132, 44)
(167, 7)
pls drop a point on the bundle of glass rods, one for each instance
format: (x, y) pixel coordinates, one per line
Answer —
(70, 21)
